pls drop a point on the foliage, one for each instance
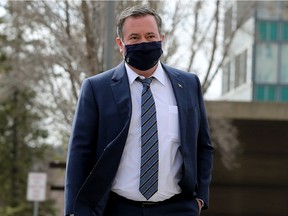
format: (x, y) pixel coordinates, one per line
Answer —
(65, 42)
(54, 45)
(26, 209)
(22, 149)
(22, 137)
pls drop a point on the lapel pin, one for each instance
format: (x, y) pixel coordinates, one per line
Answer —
(179, 85)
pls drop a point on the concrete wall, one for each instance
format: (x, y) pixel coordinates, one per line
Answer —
(257, 183)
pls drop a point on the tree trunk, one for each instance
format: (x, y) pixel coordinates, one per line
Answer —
(14, 153)
(91, 55)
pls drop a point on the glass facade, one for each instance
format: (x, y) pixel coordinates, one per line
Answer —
(284, 64)
(271, 93)
(284, 94)
(271, 61)
(270, 50)
(285, 31)
(266, 63)
(267, 31)
(272, 30)
(265, 93)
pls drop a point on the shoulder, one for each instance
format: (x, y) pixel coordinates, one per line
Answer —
(178, 71)
(184, 75)
(106, 77)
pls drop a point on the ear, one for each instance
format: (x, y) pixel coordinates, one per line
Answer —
(162, 38)
(120, 45)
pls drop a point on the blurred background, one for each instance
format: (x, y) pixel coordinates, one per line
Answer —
(239, 49)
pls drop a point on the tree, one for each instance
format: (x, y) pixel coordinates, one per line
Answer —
(65, 43)
(22, 139)
(21, 148)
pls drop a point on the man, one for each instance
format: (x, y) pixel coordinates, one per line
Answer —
(140, 141)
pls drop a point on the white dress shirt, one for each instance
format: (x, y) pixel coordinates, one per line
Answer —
(127, 179)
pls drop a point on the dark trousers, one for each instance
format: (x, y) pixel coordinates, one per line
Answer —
(175, 206)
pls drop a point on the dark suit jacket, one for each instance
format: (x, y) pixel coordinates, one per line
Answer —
(100, 130)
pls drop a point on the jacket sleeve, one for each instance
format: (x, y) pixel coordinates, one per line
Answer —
(204, 153)
(82, 145)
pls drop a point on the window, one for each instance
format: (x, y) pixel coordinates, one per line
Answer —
(265, 93)
(284, 64)
(232, 75)
(226, 78)
(284, 94)
(266, 63)
(272, 31)
(267, 31)
(240, 68)
(261, 30)
(271, 93)
(285, 31)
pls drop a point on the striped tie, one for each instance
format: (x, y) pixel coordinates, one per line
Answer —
(149, 142)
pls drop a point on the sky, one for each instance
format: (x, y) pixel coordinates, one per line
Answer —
(183, 33)
(214, 92)
(2, 11)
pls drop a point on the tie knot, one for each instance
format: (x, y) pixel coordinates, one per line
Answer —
(145, 82)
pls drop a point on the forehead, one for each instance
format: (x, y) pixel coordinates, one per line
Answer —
(139, 24)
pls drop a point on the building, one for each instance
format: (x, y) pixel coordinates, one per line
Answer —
(258, 185)
(256, 68)
(255, 73)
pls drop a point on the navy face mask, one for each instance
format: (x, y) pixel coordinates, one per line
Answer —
(143, 56)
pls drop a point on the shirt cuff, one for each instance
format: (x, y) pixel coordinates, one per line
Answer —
(201, 201)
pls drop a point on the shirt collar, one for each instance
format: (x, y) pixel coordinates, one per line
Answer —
(159, 74)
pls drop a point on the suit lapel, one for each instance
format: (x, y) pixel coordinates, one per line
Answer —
(121, 92)
(180, 91)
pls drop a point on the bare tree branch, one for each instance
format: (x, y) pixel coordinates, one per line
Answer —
(198, 6)
(214, 47)
(226, 47)
(91, 56)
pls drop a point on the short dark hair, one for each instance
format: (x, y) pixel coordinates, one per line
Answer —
(136, 11)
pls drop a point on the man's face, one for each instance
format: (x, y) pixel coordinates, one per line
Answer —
(137, 30)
